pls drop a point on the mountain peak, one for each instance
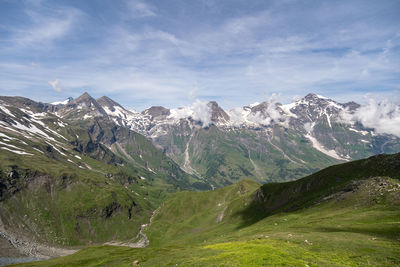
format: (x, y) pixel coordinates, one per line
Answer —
(312, 96)
(85, 106)
(217, 113)
(105, 101)
(157, 112)
(83, 98)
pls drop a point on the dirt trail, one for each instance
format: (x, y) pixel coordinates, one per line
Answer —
(143, 240)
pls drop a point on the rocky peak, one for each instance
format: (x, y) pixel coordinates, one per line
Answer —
(217, 113)
(84, 98)
(85, 106)
(312, 97)
(157, 112)
(351, 106)
(316, 103)
(105, 101)
(260, 108)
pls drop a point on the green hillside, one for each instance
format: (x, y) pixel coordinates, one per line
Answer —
(73, 183)
(346, 215)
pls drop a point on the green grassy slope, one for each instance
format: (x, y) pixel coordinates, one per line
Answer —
(138, 153)
(276, 197)
(73, 190)
(226, 157)
(333, 227)
(55, 202)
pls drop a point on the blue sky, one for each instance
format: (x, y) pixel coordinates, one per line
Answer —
(143, 53)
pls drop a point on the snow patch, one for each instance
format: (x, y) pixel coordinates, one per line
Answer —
(17, 151)
(318, 146)
(5, 110)
(357, 131)
(118, 112)
(34, 148)
(9, 145)
(66, 101)
(322, 97)
(7, 137)
(151, 170)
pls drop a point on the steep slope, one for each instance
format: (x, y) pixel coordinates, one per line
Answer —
(71, 180)
(345, 215)
(264, 141)
(241, 205)
(335, 180)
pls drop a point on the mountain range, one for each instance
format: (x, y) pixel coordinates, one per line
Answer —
(264, 141)
(85, 170)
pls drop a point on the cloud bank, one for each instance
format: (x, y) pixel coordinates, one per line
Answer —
(383, 116)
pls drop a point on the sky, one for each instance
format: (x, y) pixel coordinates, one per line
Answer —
(172, 53)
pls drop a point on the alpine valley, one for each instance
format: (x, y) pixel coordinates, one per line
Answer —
(297, 184)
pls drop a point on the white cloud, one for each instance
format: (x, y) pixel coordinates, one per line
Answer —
(271, 114)
(44, 29)
(383, 116)
(236, 58)
(198, 111)
(54, 85)
(139, 8)
(202, 112)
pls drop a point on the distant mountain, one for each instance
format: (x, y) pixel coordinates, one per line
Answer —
(264, 141)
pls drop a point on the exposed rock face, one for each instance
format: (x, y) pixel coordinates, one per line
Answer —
(105, 101)
(218, 115)
(84, 106)
(289, 140)
(268, 136)
(157, 112)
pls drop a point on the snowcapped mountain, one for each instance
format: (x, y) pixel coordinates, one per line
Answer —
(72, 167)
(264, 141)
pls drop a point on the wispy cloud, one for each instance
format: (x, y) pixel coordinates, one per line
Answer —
(55, 85)
(137, 8)
(43, 29)
(146, 53)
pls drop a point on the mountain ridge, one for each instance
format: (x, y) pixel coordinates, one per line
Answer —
(299, 138)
